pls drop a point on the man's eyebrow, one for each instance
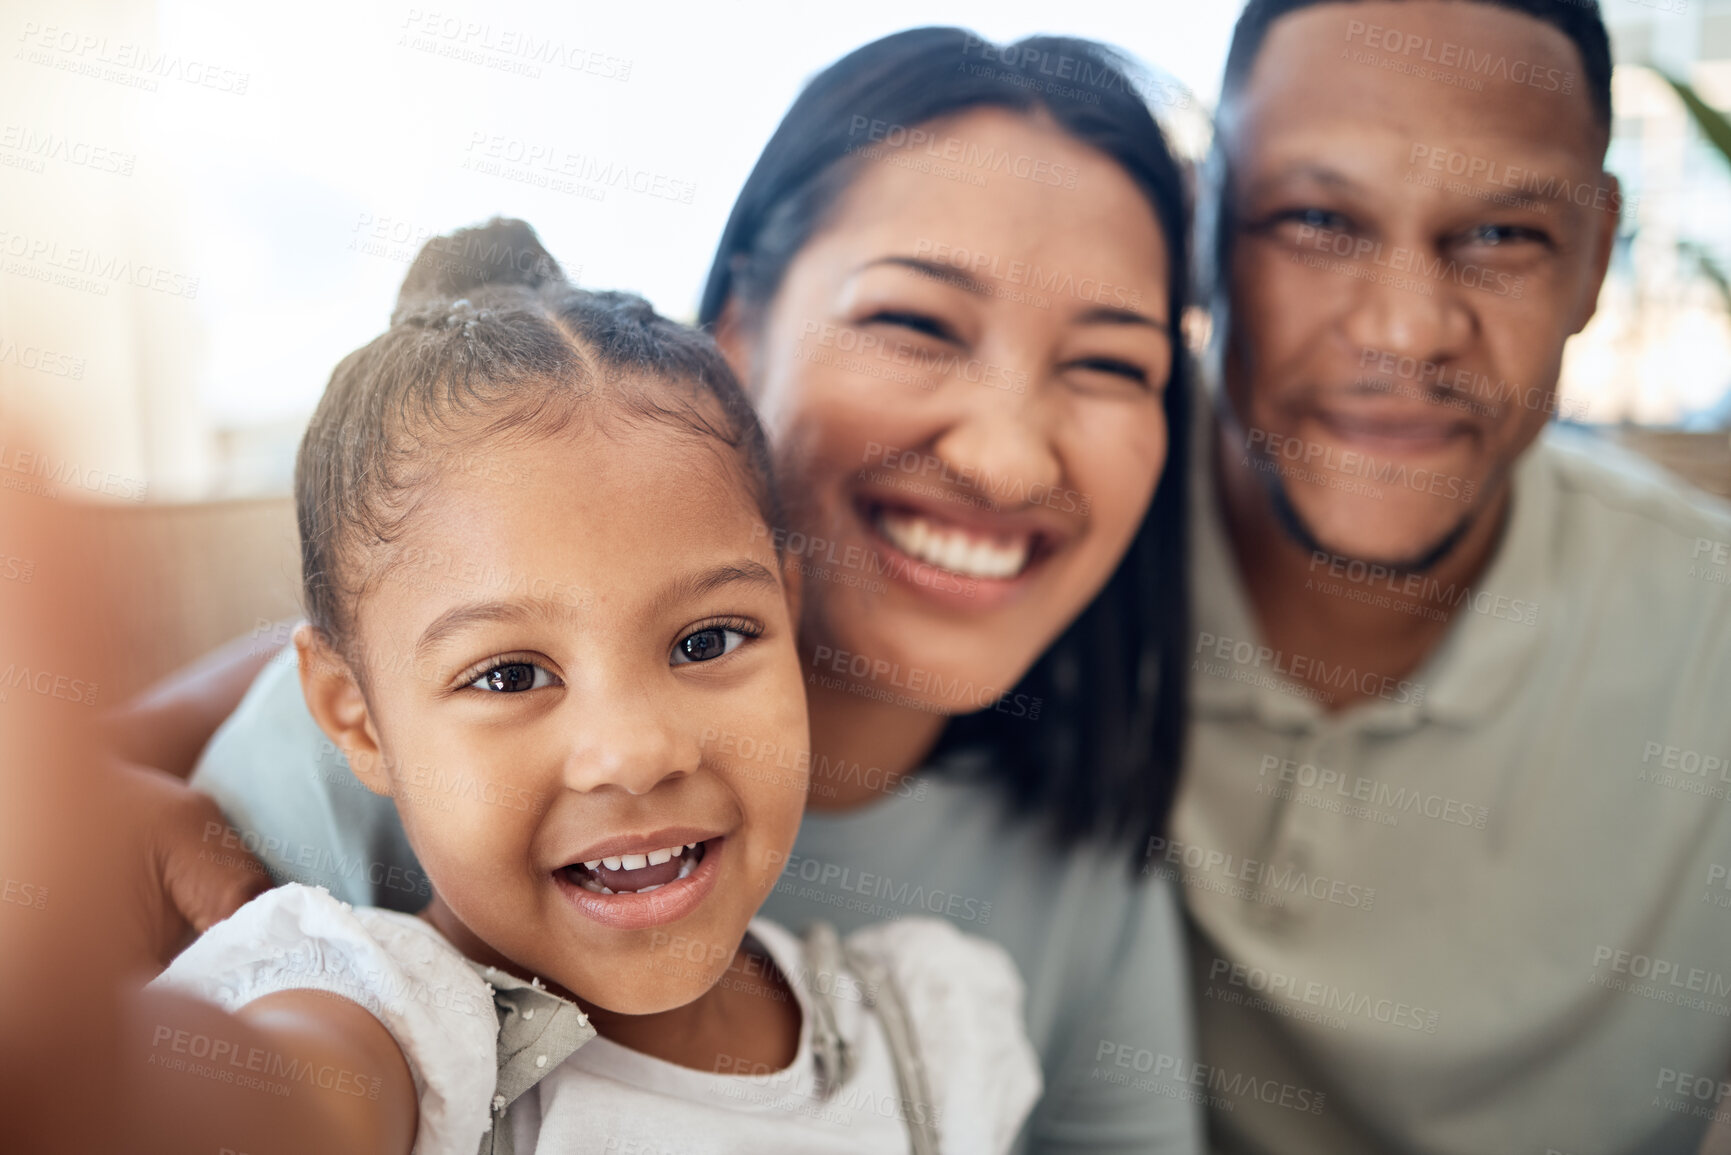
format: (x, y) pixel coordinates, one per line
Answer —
(1311, 171)
(937, 271)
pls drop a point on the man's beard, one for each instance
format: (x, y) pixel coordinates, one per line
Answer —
(1292, 523)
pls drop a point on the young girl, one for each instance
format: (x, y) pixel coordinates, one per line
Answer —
(544, 617)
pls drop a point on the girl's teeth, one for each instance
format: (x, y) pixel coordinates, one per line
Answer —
(592, 864)
(610, 863)
(633, 861)
(953, 549)
(657, 857)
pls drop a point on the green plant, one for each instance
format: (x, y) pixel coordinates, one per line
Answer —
(1716, 127)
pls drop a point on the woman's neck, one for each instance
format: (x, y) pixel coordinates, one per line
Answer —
(861, 748)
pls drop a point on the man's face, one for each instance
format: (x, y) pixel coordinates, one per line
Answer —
(1420, 222)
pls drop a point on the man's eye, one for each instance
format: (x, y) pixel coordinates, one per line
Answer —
(1500, 235)
(707, 644)
(1320, 219)
(513, 677)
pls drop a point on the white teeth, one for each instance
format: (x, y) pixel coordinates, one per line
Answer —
(691, 846)
(686, 867)
(657, 857)
(593, 863)
(952, 548)
(633, 861)
(647, 889)
(610, 863)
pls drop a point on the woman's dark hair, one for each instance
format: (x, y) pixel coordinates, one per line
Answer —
(1103, 758)
(489, 341)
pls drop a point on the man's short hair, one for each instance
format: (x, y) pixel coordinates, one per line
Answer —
(1579, 20)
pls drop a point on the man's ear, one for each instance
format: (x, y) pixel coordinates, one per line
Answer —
(1604, 243)
(334, 697)
(734, 337)
(793, 581)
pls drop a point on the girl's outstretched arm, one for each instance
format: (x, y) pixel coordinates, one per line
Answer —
(296, 1071)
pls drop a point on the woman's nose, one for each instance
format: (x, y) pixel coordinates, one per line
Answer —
(1009, 441)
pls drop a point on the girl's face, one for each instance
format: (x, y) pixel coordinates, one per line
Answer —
(962, 378)
(560, 672)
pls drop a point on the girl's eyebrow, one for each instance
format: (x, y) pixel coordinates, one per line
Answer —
(695, 585)
(686, 588)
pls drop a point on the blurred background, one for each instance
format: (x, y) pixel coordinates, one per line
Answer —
(204, 206)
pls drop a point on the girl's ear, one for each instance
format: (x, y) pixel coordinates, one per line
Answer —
(334, 697)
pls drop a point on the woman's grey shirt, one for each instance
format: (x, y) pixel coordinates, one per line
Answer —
(1099, 947)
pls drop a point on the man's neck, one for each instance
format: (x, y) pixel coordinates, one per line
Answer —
(1335, 625)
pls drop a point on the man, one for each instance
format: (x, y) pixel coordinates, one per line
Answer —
(1454, 831)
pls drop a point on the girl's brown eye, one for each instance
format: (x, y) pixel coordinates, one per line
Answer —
(707, 644)
(513, 678)
(918, 322)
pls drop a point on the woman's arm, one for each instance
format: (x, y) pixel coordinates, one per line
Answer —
(168, 724)
(293, 1071)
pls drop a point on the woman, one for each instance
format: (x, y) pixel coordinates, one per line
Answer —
(951, 286)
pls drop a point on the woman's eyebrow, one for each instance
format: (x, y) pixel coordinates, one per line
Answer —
(1112, 315)
(937, 271)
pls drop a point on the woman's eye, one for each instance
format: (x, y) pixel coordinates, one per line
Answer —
(918, 322)
(707, 644)
(513, 677)
(1114, 367)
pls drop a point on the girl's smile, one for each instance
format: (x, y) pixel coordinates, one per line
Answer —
(634, 890)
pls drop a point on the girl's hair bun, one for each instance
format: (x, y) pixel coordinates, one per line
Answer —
(504, 251)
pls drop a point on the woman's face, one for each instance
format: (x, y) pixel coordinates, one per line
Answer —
(961, 377)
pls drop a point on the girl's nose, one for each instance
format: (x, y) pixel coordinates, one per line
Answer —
(628, 743)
